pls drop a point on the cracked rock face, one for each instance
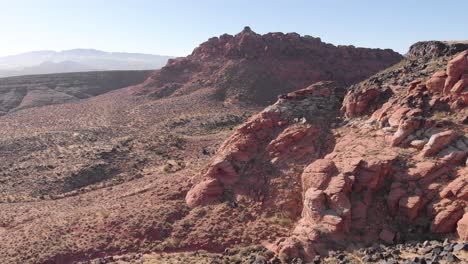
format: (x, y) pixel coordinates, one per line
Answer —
(295, 128)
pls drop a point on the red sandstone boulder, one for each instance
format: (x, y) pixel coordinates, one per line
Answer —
(357, 102)
(294, 142)
(446, 220)
(405, 128)
(314, 204)
(436, 83)
(339, 184)
(310, 90)
(204, 192)
(318, 174)
(292, 130)
(397, 116)
(457, 188)
(462, 227)
(455, 68)
(438, 141)
(371, 173)
(460, 86)
(410, 206)
(413, 85)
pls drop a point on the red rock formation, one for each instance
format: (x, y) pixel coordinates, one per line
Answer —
(357, 103)
(437, 82)
(249, 67)
(455, 69)
(293, 129)
(433, 189)
(400, 167)
(462, 228)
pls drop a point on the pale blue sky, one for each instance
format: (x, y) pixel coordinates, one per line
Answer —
(176, 27)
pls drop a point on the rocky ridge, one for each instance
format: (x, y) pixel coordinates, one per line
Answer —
(253, 68)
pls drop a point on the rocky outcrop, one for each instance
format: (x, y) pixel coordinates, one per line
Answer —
(402, 166)
(254, 68)
(415, 188)
(293, 129)
(431, 49)
(457, 74)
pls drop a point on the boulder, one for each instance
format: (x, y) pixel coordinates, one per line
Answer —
(460, 86)
(438, 141)
(458, 188)
(446, 220)
(358, 102)
(397, 116)
(205, 192)
(405, 128)
(462, 227)
(436, 83)
(455, 68)
(317, 174)
(410, 205)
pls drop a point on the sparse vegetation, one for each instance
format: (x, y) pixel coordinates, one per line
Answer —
(172, 243)
(281, 219)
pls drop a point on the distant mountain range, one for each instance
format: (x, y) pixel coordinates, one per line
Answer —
(77, 60)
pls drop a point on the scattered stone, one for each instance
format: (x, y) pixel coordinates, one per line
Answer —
(460, 246)
(451, 258)
(317, 260)
(448, 248)
(260, 260)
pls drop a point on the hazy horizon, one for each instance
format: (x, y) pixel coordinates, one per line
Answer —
(175, 28)
(83, 49)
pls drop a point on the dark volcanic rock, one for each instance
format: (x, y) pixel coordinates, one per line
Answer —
(435, 49)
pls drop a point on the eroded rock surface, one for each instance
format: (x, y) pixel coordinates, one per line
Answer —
(254, 68)
(296, 128)
(393, 170)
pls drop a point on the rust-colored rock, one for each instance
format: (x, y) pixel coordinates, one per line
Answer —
(317, 174)
(290, 130)
(405, 128)
(462, 227)
(426, 180)
(254, 68)
(446, 220)
(460, 87)
(357, 103)
(211, 190)
(455, 68)
(438, 141)
(437, 82)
